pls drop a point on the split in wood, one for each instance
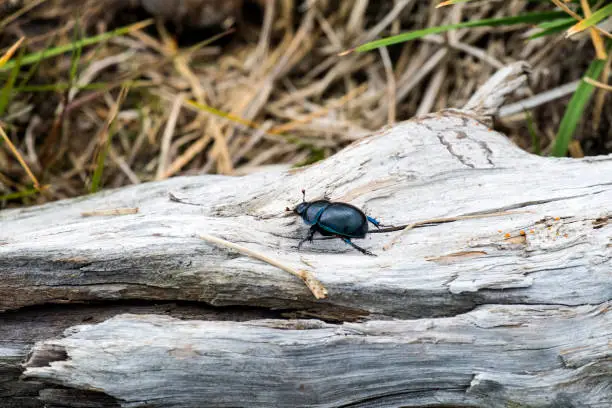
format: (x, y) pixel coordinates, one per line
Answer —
(406, 228)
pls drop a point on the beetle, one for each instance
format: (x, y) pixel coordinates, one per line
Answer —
(334, 219)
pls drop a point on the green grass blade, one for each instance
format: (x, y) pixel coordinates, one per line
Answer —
(77, 50)
(94, 86)
(556, 22)
(593, 19)
(7, 90)
(61, 86)
(575, 109)
(53, 52)
(58, 87)
(96, 179)
(553, 27)
(19, 194)
(529, 18)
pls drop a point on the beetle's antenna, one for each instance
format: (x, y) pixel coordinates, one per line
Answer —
(303, 195)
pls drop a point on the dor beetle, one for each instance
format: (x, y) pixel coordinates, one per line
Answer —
(334, 219)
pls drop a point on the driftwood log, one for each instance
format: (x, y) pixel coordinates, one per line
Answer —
(507, 309)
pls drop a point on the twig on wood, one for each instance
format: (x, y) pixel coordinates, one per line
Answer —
(318, 290)
(114, 211)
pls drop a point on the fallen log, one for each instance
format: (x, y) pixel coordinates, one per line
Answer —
(506, 305)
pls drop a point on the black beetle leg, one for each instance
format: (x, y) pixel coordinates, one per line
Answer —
(357, 247)
(308, 238)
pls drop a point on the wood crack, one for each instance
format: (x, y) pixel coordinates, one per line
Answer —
(411, 394)
(450, 149)
(538, 202)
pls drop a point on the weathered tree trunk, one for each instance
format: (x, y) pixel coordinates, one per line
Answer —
(507, 310)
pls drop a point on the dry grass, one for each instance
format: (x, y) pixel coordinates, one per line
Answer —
(281, 93)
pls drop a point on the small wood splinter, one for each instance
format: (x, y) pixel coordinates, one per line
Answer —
(114, 211)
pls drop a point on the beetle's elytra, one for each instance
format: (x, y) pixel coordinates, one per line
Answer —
(334, 219)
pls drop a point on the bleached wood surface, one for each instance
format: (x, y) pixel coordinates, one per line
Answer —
(470, 312)
(493, 356)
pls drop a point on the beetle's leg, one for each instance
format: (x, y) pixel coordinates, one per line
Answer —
(357, 247)
(309, 237)
(377, 223)
(373, 221)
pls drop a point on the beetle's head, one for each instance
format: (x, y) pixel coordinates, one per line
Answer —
(301, 207)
